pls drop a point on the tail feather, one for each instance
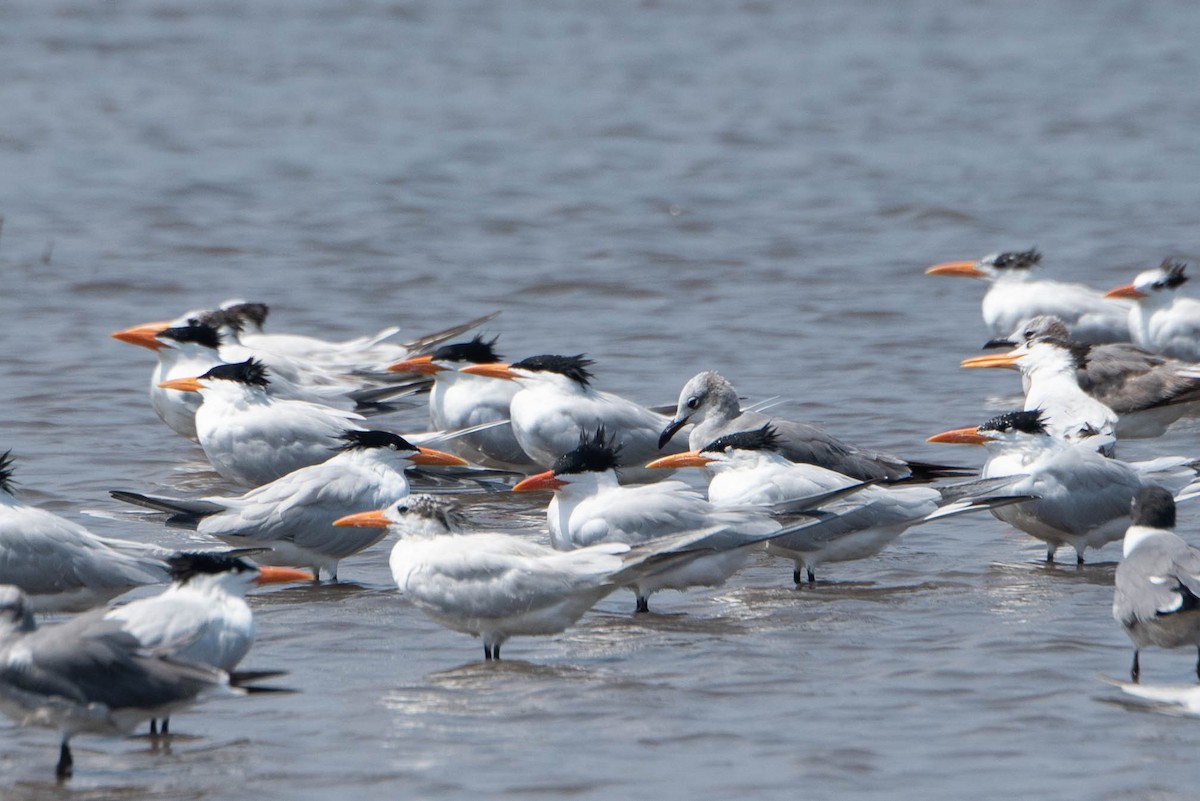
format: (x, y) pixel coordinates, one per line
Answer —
(976, 504)
(429, 341)
(924, 472)
(243, 680)
(810, 504)
(184, 513)
(979, 487)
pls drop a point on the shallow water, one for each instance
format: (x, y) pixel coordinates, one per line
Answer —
(668, 187)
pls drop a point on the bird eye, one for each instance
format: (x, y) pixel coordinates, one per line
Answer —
(402, 509)
(693, 403)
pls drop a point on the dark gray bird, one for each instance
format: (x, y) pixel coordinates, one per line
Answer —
(1157, 596)
(709, 403)
(87, 675)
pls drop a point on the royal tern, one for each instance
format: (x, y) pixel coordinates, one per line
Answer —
(293, 515)
(251, 438)
(1082, 497)
(88, 675)
(460, 400)
(60, 565)
(747, 469)
(709, 403)
(1161, 320)
(1148, 392)
(192, 350)
(1157, 597)
(1050, 365)
(494, 585)
(590, 506)
(556, 404)
(1014, 297)
(202, 616)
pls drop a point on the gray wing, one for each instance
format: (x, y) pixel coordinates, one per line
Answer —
(1161, 577)
(91, 660)
(802, 442)
(55, 555)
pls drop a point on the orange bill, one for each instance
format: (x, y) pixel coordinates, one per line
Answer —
(1126, 291)
(431, 457)
(144, 335)
(373, 519)
(993, 360)
(545, 482)
(688, 459)
(960, 436)
(963, 268)
(182, 384)
(419, 365)
(491, 370)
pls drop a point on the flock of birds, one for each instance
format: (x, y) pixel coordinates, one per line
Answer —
(288, 417)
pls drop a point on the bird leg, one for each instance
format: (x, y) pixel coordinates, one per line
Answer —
(798, 576)
(166, 723)
(153, 727)
(812, 577)
(1079, 559)
(643, 605)
(1050, 554)
(65, 762)
(1135, 672)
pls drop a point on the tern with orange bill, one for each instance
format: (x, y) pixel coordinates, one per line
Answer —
(590, 506)
(1082, 497)
(251, 438)
(747, 469)
(1148, 392)
(202, 616)
(556, 404)
(293, 515)
(496, 585)
(1068, 412)
(1015, 296)
(191, 350)
(1161, 320)
(460, 400)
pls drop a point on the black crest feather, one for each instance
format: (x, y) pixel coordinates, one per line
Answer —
(251, 371)
(1017, 259)
(573, 367)
(255, 313)
(218, 318)
(1173, 273)
(200, 333)
(760, 439)
(189, 564)
(595, 453)
(1029, 421)
(6, 472)
(366, 440)
(477, 351)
